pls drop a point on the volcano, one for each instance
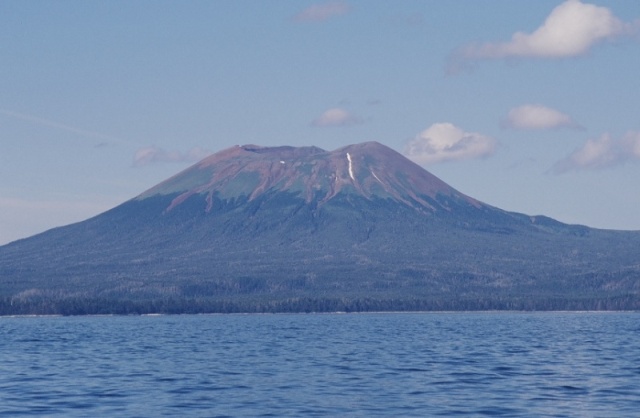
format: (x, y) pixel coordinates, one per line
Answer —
(278, 229)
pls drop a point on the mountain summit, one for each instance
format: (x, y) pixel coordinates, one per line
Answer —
(369, 170)
(266, 229)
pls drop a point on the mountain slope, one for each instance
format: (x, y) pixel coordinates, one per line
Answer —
(272, 229)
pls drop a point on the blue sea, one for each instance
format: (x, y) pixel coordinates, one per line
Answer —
(328, 365)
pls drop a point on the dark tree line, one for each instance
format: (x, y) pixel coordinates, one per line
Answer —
(104, 306)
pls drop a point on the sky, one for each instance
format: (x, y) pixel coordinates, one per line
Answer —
(533, 107)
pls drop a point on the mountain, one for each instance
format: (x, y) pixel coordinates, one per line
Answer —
(259, 229)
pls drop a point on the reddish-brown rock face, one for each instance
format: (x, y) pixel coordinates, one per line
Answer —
(370, 170)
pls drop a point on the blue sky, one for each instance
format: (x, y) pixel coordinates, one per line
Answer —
(532, 107)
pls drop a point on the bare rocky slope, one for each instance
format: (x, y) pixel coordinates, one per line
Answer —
(256, 229)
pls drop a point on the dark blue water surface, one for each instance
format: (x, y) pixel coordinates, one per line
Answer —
(419, 364)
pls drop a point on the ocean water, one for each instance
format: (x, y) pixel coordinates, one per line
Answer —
(406, 364)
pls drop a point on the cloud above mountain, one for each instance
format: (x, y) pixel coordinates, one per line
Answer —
(447, 142)
(150, 155)
(336, 117)
(322, 11)
(533, 117)
(602, 152)
(571, 29)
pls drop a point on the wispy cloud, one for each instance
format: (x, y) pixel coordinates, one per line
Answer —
(600, 153)
(336, 117)
(57, 125)
(570, 30)
(150, 155)
(446, 142)
(532, 116)
(322, 11)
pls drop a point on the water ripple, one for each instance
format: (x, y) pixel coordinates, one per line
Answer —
(498, 364)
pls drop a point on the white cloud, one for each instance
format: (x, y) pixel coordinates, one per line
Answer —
(322, 11)
(446, 142)
(538, 117)
(149, 155)
(570, 30)
(603, 152)
(336, 117)
(595, 153)
(631, 144)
